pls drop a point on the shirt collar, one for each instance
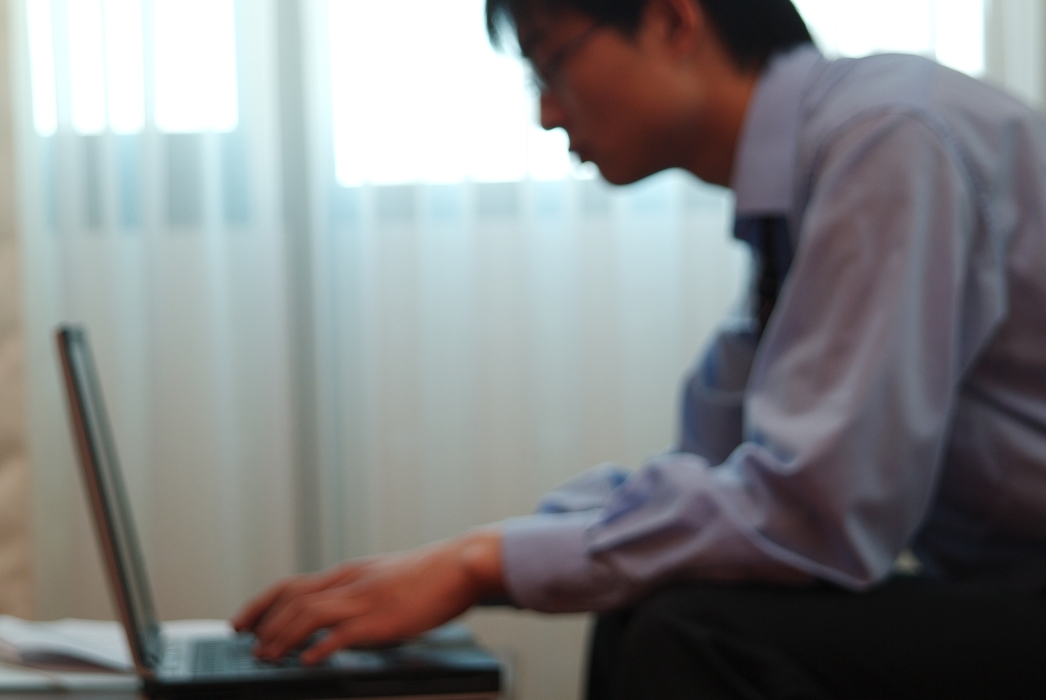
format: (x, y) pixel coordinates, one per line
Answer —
(764, 168)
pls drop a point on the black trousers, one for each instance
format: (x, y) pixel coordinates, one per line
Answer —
(908, 638)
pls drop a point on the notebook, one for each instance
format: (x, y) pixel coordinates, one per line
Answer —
(442, 664)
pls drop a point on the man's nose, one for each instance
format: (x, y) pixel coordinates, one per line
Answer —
(552, 115)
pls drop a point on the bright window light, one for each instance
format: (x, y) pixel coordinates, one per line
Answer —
(87, 65)
(195, 57)
(41, 60)
(125, 79)
(960, 35)
(419, 95)
(950, 31)
(428, 99)
(194, 49)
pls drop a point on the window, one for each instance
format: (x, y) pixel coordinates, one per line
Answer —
(949, 31)
(419, 95)
(99, 47)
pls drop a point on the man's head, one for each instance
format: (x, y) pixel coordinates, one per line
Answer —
(751, 30)
(645, 85)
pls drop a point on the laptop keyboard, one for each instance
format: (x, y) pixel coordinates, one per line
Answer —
(232, 656)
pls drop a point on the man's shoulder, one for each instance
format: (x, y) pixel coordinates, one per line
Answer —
(858, 94)
(850, 87)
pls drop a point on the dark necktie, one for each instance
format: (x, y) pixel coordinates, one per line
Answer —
(772, 248)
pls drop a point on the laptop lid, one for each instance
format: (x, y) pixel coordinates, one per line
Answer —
(434, 668)
(109, 502)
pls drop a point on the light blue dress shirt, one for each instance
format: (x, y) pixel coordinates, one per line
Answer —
(897, 397)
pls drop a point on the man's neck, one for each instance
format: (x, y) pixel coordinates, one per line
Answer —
(719, 133)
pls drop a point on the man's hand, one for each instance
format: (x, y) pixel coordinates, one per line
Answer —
(376, 600)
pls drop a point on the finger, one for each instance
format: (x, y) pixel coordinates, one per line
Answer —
(323, 616)
(373, 627)
(248, 616)
(368, 629)
(280, 615)
(303, 617)
(338, 638)
(294, 589)
(276, 598)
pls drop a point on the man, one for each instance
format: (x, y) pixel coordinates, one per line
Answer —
(888, 390)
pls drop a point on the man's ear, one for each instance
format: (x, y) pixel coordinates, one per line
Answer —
(681, 24)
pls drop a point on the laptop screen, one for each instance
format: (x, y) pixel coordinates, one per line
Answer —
(109, 501)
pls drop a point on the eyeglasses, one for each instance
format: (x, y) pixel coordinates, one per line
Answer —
(544, 75)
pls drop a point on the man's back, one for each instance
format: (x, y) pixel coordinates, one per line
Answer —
(988, 519)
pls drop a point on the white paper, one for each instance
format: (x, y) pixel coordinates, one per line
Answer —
(16, 679)
(101, 643)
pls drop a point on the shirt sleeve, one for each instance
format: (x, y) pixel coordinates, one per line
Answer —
(845, 412)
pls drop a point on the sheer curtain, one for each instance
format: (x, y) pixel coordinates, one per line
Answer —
(481, 338)
(357, 302)
(151, 213)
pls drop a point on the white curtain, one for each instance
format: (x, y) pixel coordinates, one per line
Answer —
(169, 247)
(300, 371)
(488, 341)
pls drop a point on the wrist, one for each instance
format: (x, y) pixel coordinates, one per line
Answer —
(480, 556)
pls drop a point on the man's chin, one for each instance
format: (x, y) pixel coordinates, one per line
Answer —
(616, 176)
(622, 177)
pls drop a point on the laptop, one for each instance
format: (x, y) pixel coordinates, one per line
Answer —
(443, 664)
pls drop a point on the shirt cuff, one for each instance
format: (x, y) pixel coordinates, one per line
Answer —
(546, 563)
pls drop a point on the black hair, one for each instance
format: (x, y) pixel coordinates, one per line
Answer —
(751, 30)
